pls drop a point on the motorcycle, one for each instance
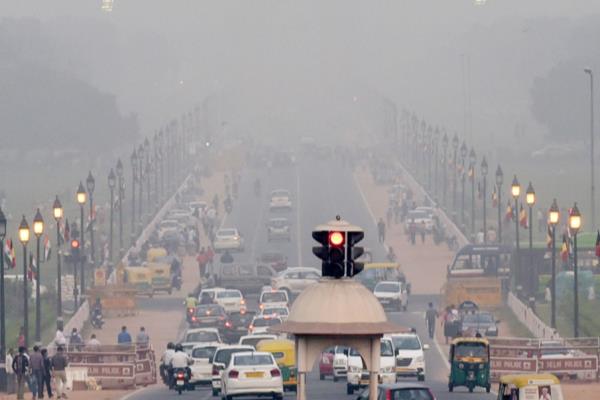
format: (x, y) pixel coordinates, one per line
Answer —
(97, 321)
(176, 281)
(181, 380)
(190, 311)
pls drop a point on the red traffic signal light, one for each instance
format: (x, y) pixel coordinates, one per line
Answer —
(336, 238)
(74, 244)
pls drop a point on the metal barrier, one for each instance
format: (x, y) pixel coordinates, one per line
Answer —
(528, 318)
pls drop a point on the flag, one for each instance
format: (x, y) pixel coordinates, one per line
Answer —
(598, 244)
(67, 232)
(549, 237)
(32, 268)
(564, 250)
(47, 248)
(523, 218)
(9, 254)
(509, 215)
(494, 198)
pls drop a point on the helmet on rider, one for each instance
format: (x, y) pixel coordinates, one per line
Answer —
(178, 347)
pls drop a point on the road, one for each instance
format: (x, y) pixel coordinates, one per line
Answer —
(321, 190)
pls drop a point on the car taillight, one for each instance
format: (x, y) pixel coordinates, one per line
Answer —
(388, 394)
(227, 324)
(215, 371)
(251, 328)
(233, 374)
(261, 306)
(180, 375)
(194, 319)
(275, 373)
(190, 310)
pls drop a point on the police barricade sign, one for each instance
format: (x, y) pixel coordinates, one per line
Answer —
(503, 366)
(111, 376)
(569, 364)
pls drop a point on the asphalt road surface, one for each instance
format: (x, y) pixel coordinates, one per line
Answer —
(320, 191)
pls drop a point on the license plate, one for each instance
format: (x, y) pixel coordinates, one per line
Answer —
(364, 382)
(180, 382)
(254, 374)
(384, 301)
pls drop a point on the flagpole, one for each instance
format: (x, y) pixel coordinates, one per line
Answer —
(553, 294)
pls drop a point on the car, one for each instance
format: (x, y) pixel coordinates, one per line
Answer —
(239, 324)
(410, 359)
(280, 200)
(278, 229)
(200, 337)
(404, 391)
(197, 205)
(294, 280)
(209, 316)
(281, 312)
(253, 340)
(358, 376)
(274, 259)
(334, 363)
(221, 360)
(211, 292)
(202, 364)
(392, 294)
(231, 300)
(168, 227)
(183, 217)
(326, 363)
(228, 239)
(481, 322)
(421, 218)
(261, 324)
(248, 278)
(273, 298)
(252, 374)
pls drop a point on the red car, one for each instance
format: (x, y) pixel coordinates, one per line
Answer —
(326, 363)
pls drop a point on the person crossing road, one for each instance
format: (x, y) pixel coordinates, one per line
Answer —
(430, 317)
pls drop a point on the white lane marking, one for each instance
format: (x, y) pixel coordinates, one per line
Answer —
(134, 393)
(298, 226)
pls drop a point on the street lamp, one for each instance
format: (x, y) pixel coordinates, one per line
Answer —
(436, 138)
(111, 185)
(515, 190)
(91, 185)
(574, 226)
(592, 189)
(121, 195)
(58, 212)
(81, 199)
(499, 181)
(134, 178)
(24, 239)
(484, 172)
(472, 160)
(455, 147)
(463, 154)
(141, 182)
(530, 200)
(38, 230)
(553, 218)
(445, 167)
(2, 294)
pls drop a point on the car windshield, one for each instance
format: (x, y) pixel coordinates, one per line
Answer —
(474, 349)
(202, 337)
(406, 342)
(168, 224)
(417, 215)
(262, 322)
(227, 232)
(478, 318)
(276, 311)
(387, 287)
(387, 350)
(204, 352)
(208, 310)
(223, 356)
(280, 193)
(273, 297)
(253, 360)
(229, 293)
(271, 257)
(410, 394)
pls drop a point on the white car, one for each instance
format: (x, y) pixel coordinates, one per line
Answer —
(202, 365)
(252, 340)
(199, 205)
(261, 324)
(280, 200)
(200, 337)
(340, 362)
(294, 280)
(410, 359)
(421, 218)
(211, 292)
(358, 375)
(221, 360)
(168, 225)
(273, 298)
(231, 300)
(280, 312)
(392, 294)
(252, 374)
(228, 239)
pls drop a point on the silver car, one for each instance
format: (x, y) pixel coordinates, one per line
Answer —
(278, 228)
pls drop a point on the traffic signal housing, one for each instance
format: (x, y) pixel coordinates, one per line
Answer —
(354, 267)
(337, 249)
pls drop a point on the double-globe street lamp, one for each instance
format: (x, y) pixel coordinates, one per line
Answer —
(530, 200)
(90, 183)
(81, 200)
(499, 181)
(58, 212)
(24, 239)
(574, 226)
(515, 190)
(484, 172)
(472, 159)
(38, 230)
(120, 205)
(553, 218)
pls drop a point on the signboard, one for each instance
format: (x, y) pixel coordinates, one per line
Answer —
(568, 364)
(109, 370)
(514, 365)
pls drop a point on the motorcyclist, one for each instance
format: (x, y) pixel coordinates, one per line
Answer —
(190, 306)
(226, 257)
(97, 313)
(165, 369)
(205, 299)
(180, 360)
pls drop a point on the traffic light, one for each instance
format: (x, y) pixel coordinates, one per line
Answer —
(354, 252)
(331, 252)
(74, 249)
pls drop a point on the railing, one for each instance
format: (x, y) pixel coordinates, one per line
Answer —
(528, 318)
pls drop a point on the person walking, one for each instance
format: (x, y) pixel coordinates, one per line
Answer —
(36, 362)
(142, 337)
(124, 336)
(10, 374)
(381, 230)
(423, 231)
(47, 375)
(93, 344)
(20, 366)
(412, 232)
(59, 365)
(202, 260)
(75, 340)
(430, 317)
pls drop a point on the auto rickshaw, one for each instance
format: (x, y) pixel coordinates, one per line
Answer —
(529, 387)
(155, 253)
(140, 278)
(284, 352)
(469, 363)
(161, 276)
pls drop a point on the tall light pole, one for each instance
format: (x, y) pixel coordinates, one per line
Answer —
(24, 239)
(484, 172)
(499, 181)
(530, 200)
(91, 185)
(455, 147)
(38, 230)
(2, 294)
(553, 218)
(445, 168)
(148, 171)
(463, 155)
(515, 190)
(592, 186)
(141, 182)
(58, 212)
(121, 195)
(111, 185)
(574, 226)
(81, 199)
(472, 159)
(134, 178)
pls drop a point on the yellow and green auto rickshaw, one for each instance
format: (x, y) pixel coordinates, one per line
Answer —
(140, 278)
(529, 387)
(155, 253)
(469, 363)
(284, 352)
(161, 276)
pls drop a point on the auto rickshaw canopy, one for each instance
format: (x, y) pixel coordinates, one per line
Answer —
(522, 380)
(283, 350)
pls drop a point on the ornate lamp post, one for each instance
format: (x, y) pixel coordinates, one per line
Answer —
(38, 230)
(141, 182)
(463, 155)
(58, 213)
(499, 181)
(91, 185)
(445, 168)
(484, 172)
(436, 138)
(81, 199)
(112, 181)
(455, 147)
(530, 200)
(472, 159)
(134, 178)
(24, 239)
(574, 226)
(121, 195)
(553, 218)
(2, 294)
(515, 190)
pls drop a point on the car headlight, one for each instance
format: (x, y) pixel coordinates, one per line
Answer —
(387, 370)
(352, 368)
(419, 359)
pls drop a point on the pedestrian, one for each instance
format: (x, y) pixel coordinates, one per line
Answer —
(93, 344)
(47, 375)
(412, 232)
(59, 364)
(20, 366)
(480, 237)
(124, 336)
(10, 374)
(21, 338)
(430, 317)
(36, 363)
(423, 231)
(388, 215)
(75, 340)
(210, 256)
(202, 260)
(381, 230)
(142, 337)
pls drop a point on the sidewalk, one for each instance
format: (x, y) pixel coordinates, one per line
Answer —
(81, 395)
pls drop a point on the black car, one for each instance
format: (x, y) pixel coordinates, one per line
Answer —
(404, 391)
(238, 325)
(210, 316)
